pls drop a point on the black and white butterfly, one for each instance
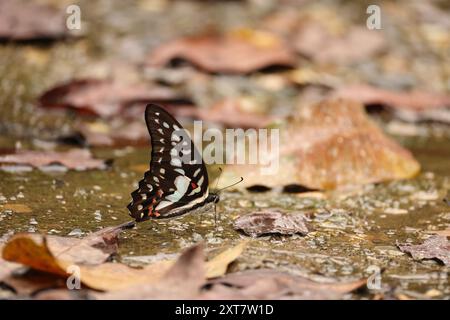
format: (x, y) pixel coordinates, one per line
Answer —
(177, 181)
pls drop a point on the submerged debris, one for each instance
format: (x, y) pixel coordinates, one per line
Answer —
(436, 247)
(269, 222)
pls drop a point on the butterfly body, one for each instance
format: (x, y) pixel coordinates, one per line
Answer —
(177, 181)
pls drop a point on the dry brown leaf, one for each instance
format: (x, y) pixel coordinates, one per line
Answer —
(26, 249)
(271, 221)
(231, 113)
(25, 20)
(332, 144)
(217, 266)
(103, 98)
(243, 51)
(54, 254)
(408, 105)
(77, 159)
(435, 247)
(444, 233)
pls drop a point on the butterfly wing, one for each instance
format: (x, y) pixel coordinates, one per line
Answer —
(177, 180)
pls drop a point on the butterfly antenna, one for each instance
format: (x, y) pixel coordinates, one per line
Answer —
(231, 185)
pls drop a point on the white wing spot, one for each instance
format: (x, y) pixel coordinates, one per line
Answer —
(157, 121)
(176, 127)
(160, 131)
(162, 171)
(181, 185)
(166, 125)
(143, 196)
(140, 207)
(175, 162)
(196, 172)
(200, 181)
(156, 179)
(149, 186)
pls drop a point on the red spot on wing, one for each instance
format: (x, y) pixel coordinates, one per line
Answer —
(194, 185)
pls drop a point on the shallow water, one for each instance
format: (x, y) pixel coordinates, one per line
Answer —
(352, 229)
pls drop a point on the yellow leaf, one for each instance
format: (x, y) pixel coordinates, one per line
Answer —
(218, 265)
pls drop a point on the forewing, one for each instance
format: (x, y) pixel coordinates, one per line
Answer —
(177, 179)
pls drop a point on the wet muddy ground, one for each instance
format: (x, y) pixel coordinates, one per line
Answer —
(355, 230)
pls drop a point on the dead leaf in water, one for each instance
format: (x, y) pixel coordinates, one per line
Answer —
(435, 247)
(104, 98)
(268, 222)
(243, 51)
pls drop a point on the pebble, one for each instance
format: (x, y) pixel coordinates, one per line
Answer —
(98, 215)
(76, 233)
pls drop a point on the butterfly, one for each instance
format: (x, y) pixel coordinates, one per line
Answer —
(177, 181)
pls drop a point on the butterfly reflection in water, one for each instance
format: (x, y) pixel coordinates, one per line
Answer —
(177, 181)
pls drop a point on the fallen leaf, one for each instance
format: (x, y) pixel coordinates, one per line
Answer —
(329, 145)
(62, 294)
(104, 98)
(7, 267)
(407, 105)
(217, 266)
(435, 247)
(24, 20)
(271, 284)
(16, 207)
(243, 51)
(27, 282)
(54, 254)
(77, 159)
(270, 222)
(321, 45)
(182, 281)
(116, 276)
